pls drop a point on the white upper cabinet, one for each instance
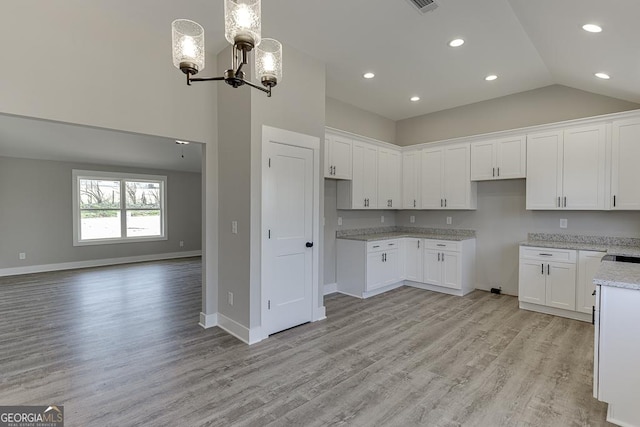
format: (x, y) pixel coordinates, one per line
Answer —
(337, 157)
(362, 191)
(503, 158)
(566, 169)
(411, 180)
(625, 170)
(445, 178)
(389, 178)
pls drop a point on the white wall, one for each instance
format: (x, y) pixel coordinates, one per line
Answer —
(549, 104)
(361, 122)
(36, 215)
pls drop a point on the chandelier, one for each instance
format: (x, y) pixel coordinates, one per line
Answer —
(242, 23)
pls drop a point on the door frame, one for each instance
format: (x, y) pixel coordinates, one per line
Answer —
(295, 139)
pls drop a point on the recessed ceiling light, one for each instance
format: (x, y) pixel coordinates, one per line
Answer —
(182, 142)
(491, 77)
(603, 76)
(592, 28)
(415, 98)
(456, 43)
(368, 75)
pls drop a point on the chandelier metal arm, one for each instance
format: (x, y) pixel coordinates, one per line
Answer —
(222, 78)
(201, 79)
(255, 86)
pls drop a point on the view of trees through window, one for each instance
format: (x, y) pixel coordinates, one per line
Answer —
(104, 203)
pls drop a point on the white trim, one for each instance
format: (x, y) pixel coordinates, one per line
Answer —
(611, 417)
(234, 328)
(14, 271)
(382, 290)
(330, 288)
(363, 138)
(584, 317)
(440, 289)
(78, 174)
(208, 320)
(320, 313)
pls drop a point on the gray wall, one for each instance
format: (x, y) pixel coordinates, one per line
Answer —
(501, 222)
(36, 214)
(361, 122)
(549, 104)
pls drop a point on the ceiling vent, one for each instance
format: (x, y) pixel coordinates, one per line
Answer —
(424, 6)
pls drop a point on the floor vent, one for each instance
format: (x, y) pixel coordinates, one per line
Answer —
(424, 6)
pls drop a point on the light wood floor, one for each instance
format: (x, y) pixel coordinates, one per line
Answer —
(120, 346)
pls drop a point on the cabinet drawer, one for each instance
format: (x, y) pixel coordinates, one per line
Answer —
(383, 245)
(545, 254)
(442, 245)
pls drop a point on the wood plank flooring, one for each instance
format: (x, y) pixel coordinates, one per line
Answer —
(120, 346)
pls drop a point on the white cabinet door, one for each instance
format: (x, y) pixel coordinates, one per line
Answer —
(375, 270)
(389, 162)
(451, 269)
(359, 175)
(625, 173)
(391, 267)
(370, 184)
(483, 159)
(413, 259)
(457, 181)
(340, 153)
(432, 267)
(511, 158)
(561, 286)
(588, 263)
(532, 282)
(431, 176)
(328, 166)
(544, 170)
(411, 180)
(584, 163)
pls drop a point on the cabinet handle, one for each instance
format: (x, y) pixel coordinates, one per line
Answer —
(494, 172)
(548, 269)
(385, 257)
(392, 244)
(438, 256)
(545, 254)
(414, 203)
(593, 314)
(542, 272)
(334, 170)
(445, 203)
(419, 248)
(376, 246)
(441, 245)
(391, 203)
(498, 171)
(442, 257)
(441, 203)
(593, 294)
(559, 202)
(614, 201)
(565, 201)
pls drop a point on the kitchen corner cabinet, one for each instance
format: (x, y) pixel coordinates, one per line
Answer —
(337, 157)
(588, 263)
(411, 180)
(566, 169)
(625, 172)
(362, 191)
(365, 269)
(445, 178)
(389, 178)
(499, 159)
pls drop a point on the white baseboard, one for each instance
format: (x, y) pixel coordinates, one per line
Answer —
(319, 313)
(575, 315)
(442, 290)
(208, 320)
(244, 334)
(330, 288)
(14, 271)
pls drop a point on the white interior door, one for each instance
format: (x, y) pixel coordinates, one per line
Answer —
(288, 221)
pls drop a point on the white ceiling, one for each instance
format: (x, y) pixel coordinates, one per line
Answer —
(40, 139)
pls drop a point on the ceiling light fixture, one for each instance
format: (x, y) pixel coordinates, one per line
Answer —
(603, 76)
(243, 27)
(415, 98)
(182, 142)
(592, 28)
(491, 77)
(456, 43)
(368, 75)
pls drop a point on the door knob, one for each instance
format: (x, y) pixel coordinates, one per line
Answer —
(309, 244)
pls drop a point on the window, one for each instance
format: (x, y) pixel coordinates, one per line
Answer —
(116, 208)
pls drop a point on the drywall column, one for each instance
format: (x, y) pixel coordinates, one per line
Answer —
(210, 238)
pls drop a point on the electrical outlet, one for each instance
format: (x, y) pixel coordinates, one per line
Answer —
(230, 298)
(563, 223)
(234, 227)
(412, 219)
(382, 218)
(339, 220)
(22, 255)
(449, 220)
(182, 243)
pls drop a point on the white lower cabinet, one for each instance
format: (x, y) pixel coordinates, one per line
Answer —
(558, 281)
(365, 269)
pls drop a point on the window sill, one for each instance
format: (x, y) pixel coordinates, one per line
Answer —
(119, 241)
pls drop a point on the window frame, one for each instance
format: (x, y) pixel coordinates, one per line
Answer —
(77, 175)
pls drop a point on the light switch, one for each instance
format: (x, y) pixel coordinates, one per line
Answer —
(563, 223)
(339, 220)
(234, 227)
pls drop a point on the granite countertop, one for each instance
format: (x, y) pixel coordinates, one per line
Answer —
(387, 233)
(618, 274)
